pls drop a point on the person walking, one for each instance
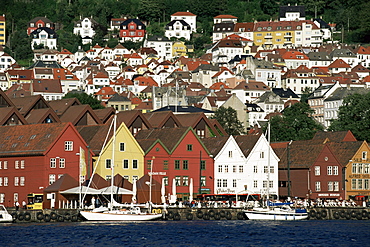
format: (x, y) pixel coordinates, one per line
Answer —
(16, 205)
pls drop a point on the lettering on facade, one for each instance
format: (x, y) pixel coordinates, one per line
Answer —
(157, 173)
(225, 191)
(355, 176)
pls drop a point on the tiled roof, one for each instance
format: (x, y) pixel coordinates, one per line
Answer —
(247, 142)
(339, 63)
(215, 144)
(74, 114)
(32, 139)
(95, 135)
(344, 151)
(60, 106)
(225, 17)
(39, 116)
(47, 85)
(7, 112)
(25, 104)
(183, 14)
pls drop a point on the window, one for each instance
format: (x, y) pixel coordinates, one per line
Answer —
(108, 177)
(185, 181)
(148, 164)
(335, 170)
(1, 165)
(125, 164)
(241, 168)
(354, 168)
(265, 169)
(16, 164)
(330, 186)
(330, 170)
(226, 168)
(1, 181)
(185, 164)
(190, 147)
(271, 184)
(177, 180)
(264, 184)
(336, 186)
(203, 181)
(62, 163)
(22, 180)
(224, 182)
(6, 181)
(317, 170)
(262, 155)
(219, 168)
(165, 180)
(68, 146)
(108, 163)
(177, 164)
(318, 186)
(165, 165)
(134, 164)
(121, 146)
(366, 168)
(230, 154)
(16, 181)
(255, 169)
(234, 168)
(255, 184)
(219, 181)
(5, 164)
(51, 178)
(353, 183)
(366, 185)
(22, 164)
(359, 168)
(359, 184)
(234, 183)
(364, 155)
(53, 162)
(272, 169)
(202, 164)
(135, 178)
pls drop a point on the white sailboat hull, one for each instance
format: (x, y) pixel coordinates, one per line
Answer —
(118, 216)
(275, 215)
(4, 215)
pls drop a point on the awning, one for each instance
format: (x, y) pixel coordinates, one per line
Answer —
(82, 190)
(116, 190)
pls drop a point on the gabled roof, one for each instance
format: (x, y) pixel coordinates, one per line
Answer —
(335, 136)
(9, 113)
(159, 119)
(38, 116)
(339, 63)
(344, 151)
(247, 142)
(5, 101)
(29, 140)
(251, 85)
(105, 114)
(61, 105)
(95, 135)
(26, 104)
(215, 144)
(183, 14)
(77, 113)
(46, 86)
(129, 117)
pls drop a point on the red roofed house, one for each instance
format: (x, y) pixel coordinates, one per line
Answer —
(100, 80)
(294, 59)
(133, 30)
(38, 22)
(32, 157)
(339, 66)
(141, 82)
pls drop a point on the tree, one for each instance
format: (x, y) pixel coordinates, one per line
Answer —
(228, 119)
(85, 99)
(296, 123)
(354, 115)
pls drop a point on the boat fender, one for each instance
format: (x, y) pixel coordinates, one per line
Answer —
(170, 215)
(206, 216)
(336, 215)
(47, 218)
(39, 216)
(211, 213)
(228, 216)
(353, 214)
(365, 214)
(324, 213)
(27, 216)
(60, 218)
(189, 216)
(342, 213)
(312, 213)
(53, 216)
(67, 216)
(222, 213)
(318, 215)
(14, 215)
(74, 218)
(348, 215)
(199, 214)
(359, 215)
(176, 216)
(157, 211)
(20, 216)
(217, 216)
(240, 216)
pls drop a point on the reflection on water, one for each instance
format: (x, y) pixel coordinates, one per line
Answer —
(188, 233)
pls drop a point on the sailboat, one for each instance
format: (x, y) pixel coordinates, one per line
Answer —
(4, 215)
(115, 211)
(274, 211)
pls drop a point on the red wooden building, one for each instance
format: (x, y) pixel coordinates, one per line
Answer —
(132, 29)
(32, 157)
(178, 153)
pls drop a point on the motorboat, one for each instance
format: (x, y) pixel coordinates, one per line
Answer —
(4, 215)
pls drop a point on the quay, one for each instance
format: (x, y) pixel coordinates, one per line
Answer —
(185, 213)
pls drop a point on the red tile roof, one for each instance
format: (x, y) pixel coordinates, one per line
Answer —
(183, 14)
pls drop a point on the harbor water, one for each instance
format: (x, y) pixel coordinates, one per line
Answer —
(188, 233)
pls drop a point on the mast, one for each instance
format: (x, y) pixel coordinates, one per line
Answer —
(268, 165)
(112, 162)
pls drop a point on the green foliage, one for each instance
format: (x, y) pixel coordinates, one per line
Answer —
(85, 99)
(132, 45)
(294, 124)
(354, 115)
(228, 119)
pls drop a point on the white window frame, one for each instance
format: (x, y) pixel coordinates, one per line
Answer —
(53, 163)
(68, 146)
(318, 186)
(62, 163)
